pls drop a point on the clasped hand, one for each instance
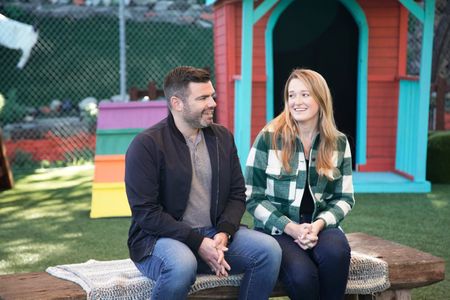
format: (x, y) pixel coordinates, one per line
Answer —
(212, 251)
(305, 235)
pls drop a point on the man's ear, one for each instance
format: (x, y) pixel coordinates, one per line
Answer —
(176, 103)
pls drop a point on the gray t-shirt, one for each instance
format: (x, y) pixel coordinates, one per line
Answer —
(197, 212)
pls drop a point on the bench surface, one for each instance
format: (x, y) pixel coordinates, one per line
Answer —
(408, 268)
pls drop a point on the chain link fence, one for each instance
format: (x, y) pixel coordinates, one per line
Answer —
(440, 74)
(48, 101)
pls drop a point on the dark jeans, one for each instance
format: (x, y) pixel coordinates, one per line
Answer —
(318, 273)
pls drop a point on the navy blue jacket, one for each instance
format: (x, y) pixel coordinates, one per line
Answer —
(158, 175)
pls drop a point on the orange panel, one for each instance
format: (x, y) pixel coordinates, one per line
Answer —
(109, 168)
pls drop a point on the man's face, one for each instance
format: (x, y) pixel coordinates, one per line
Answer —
(198, 108)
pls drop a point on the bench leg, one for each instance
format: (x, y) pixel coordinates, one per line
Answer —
(394, 295)
(386, 295)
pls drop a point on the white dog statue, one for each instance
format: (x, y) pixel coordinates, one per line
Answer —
(19, 36)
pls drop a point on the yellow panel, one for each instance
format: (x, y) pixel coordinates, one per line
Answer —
(109, 200)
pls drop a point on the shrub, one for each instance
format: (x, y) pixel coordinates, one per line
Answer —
(438, 157)
(11, 110)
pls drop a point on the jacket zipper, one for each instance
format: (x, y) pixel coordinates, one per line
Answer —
(309, 182)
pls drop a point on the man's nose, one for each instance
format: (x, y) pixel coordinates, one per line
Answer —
(211, 102)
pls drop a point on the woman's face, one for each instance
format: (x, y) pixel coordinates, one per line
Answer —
(303, 108)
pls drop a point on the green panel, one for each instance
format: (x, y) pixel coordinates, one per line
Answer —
(243, 103)
(262, 9)
(269, 56)
(425, 80)
(387, 182)
(414, 8)
(406, 150)
(363, 57)
(115, 141)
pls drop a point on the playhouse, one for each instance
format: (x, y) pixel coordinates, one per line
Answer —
(360, 47)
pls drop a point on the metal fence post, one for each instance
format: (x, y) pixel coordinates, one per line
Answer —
(122, 41)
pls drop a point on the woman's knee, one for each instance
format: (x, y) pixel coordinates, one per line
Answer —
(333, 247)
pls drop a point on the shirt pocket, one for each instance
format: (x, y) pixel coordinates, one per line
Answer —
(281, 186)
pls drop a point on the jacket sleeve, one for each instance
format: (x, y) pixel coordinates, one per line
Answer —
(230, 219)
(142, 179)
(342, 199)
(258, 205)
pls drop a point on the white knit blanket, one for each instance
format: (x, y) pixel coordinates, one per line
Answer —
(120, 279)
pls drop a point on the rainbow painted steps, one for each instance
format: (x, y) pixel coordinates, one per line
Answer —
(117, 125)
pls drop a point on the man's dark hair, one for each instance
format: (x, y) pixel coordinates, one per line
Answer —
(177, 81)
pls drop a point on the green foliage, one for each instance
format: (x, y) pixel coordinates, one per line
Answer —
(438, 157)
(79, 157)
(13, 11)
(12, 111)
(24, 160)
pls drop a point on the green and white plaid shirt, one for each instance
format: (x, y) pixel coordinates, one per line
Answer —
(274, 196)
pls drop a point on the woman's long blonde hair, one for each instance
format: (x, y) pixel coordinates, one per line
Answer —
(286, 130)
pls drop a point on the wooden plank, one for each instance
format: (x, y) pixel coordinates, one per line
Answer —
(30, 286)
(408, 267)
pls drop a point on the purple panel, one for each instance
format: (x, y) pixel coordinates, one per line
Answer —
(131, 114)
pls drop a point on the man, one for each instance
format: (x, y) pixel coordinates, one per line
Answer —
(187, 196)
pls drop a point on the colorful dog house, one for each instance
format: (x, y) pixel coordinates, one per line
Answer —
(117, 125)
(360, 46)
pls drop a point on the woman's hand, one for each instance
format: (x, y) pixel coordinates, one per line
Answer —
(295, 230)
(305, 235)
(309, 240)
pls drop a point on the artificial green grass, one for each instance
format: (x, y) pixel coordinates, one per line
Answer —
(45, 222)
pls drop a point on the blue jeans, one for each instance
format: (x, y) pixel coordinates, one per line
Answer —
(173, 266)
(317, 273)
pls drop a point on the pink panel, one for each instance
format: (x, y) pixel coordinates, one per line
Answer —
(131, 114)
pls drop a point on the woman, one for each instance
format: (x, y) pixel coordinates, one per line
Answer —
(299, 188)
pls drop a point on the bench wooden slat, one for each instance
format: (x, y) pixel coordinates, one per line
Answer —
(39, 285)
(408, 267)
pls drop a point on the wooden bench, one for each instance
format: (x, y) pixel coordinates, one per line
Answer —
(408, 268)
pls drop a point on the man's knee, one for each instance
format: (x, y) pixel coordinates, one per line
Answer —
(182, 269)
(265, 248)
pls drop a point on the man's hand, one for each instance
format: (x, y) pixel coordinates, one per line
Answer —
(212, 252)
(222, 242)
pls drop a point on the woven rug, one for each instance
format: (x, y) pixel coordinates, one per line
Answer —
(120, 279)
